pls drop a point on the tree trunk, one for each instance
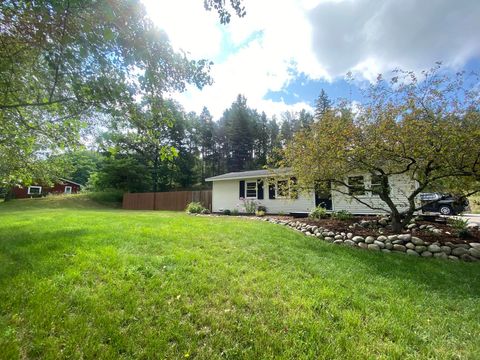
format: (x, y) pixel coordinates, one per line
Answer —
(397, 225)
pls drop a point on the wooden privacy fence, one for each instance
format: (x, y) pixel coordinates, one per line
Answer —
(174, 201)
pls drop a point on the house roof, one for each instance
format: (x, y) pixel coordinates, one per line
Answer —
(251, 174)
(70, 181)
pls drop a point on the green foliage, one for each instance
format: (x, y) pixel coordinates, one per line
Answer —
(250, 206)
(227, 212)
(195, 208)
(126, 174)
(262, 208)
(460, 225)
(342, 215)
(108, 197)
(90, 282)
(65, 63)
(318, 213)
(260, 213)
(235, 212)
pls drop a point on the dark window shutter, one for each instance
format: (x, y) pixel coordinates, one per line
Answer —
(242, 189)
(260, 189)
(271, 191)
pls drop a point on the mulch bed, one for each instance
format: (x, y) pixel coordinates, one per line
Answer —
(448, 233)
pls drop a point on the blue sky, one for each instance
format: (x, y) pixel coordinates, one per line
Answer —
(284, 52)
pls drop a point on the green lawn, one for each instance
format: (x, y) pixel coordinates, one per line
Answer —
(77, 281)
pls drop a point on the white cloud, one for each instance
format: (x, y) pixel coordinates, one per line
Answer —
(372, 36)
(323, 39)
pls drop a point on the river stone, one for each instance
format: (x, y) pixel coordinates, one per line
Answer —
(427, 254)
(349, 235)
(398, 247)
(381, 238)
(373, 247)
(434, 248)
(467, 257)
(369, 239)
(357, 239)
(349, 242)
(398, 242)
(380, 244)
(420, 248)
(383, 222)
(331, 233)
(475, 245)
(388, 246)
(405, 237)
(437, 231)
(338, 242)
(329, 239)
(441, 255)
(320, 236)
(459, 251)
(475, 252)
(412, 252)
(417, 241)
(363, 245)
(411, 226)
(392, 237)
(451, 257)
(446, 249)
(338, 237)
(410, 246)
(386, 251)
(464, 246)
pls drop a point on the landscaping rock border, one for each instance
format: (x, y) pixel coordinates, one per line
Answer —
(401, 243)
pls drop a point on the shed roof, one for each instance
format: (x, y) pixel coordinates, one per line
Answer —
(251, 174)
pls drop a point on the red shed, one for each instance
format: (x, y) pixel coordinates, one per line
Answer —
(63, 186)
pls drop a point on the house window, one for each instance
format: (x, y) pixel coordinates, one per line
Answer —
(376, 185)
(68, 189)
(251, 190)
(283, 189)
(356, 185)
(34, 190)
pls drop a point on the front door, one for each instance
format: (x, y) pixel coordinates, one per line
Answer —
(323, 197)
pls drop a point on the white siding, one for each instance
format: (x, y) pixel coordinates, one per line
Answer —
(225, 195)
(401, 186)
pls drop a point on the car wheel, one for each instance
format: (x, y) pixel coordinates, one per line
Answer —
(445, 210)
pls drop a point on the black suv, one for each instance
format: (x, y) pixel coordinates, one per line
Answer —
(444, 204)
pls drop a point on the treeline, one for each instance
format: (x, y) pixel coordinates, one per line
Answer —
(180, 150)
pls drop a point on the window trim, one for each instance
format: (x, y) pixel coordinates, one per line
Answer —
(34, 187)
(68, 187)
(246, 189)
(350, 190)
(377, 184)
(277, 195)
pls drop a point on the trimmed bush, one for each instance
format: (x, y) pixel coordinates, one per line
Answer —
(260, 213)
(460, 225)
(227, 212)
(342, 215)
(318, 213)
(195, 208)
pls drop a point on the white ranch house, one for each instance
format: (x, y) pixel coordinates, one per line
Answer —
(270, 188)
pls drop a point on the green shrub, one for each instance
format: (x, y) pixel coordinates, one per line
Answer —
(250, 206)
(460, 225)
(107, 197)
(235, 212)
(195, 208)
(205, 211)
(342, 215)
(318, 213)
(262, 208)
(227, 212)
(260, 213)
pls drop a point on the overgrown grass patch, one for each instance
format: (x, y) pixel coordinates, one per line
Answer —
(78, 281)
